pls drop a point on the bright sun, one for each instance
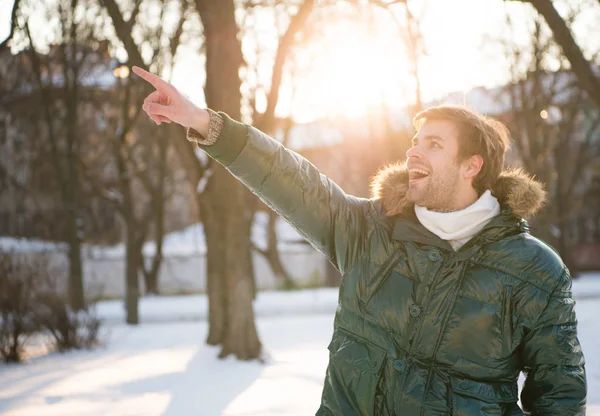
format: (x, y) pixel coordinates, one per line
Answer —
(350, 74)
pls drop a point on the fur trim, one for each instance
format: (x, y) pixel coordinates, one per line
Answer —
(390, 185)
(519, 191)
(524, 195)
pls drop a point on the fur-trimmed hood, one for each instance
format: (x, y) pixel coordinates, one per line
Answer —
(514, 188)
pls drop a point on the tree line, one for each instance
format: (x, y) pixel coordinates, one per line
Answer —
(109, 175)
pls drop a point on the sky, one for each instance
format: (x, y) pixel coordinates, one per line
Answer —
(353, 68)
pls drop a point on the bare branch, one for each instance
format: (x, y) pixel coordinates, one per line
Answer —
(296, 24)
(141, 266)
(134, 14)
(158, 35)
(176, 39)
(143, 223)
(563, 36)
(13, 23)
(264, 253)
(584, 149)
(387, 4)
(124, 33)
(36, 64)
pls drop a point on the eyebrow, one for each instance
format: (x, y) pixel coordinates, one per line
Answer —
(430, 137)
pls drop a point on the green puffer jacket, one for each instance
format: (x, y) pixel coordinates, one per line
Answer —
(421, 329)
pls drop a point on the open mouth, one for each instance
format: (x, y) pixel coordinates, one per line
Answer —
(416, 174)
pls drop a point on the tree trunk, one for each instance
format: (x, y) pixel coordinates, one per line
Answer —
(158, 202)
(273, 257)
(563, 200)
(215, 266)
(241, 337)
(73, 186)
(132, 249)
(250, 203)
(131, 278)
(222, 91)
(65, 165)
(151, 283)
(75, 291)
(229, 270)
(132, 242)
(283, 278)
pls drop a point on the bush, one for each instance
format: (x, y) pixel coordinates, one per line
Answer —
(69, 329)
(32, 302)
(17, 305)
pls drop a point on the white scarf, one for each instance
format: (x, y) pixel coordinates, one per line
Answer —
(458, 227)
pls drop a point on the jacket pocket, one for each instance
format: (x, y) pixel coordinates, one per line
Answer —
(470, 397)
(352, 376)
(380, 276)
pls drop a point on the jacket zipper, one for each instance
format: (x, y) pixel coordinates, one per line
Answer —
(507, 316)
(444, 323)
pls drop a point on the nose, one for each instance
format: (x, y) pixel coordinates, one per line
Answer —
(414, 152)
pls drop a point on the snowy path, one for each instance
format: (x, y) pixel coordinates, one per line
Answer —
(163, 368)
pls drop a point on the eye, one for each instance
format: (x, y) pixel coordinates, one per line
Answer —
(436, 145)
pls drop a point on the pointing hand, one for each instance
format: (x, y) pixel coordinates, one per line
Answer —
(167, 105)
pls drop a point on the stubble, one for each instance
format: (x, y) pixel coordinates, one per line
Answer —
(438, 192)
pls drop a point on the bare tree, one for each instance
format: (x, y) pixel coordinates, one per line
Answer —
(156, 186)
(581, 67)
(59, 80)
(555, 127)
(220, 197)
(409, 29)
(271, 252)
(409, 38)
(254, 86)
(140, 158)
(226, 222)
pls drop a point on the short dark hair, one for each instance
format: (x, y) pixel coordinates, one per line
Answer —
(478, 135)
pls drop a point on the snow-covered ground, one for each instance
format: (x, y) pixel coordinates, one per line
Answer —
(162, 367)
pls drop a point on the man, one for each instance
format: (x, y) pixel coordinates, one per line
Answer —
(445, 296)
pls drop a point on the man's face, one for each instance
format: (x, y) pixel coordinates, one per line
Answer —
(435, 175)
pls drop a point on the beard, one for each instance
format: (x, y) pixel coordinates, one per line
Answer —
(436, 192)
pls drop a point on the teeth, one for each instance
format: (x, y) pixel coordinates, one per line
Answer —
(415, 170)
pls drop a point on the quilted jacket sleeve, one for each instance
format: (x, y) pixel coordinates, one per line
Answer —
(554, 364)
(334, 223)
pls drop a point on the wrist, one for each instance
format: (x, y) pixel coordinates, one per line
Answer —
(200, 121)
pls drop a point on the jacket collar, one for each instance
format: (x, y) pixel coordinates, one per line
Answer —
(408, 228)
(520, 196)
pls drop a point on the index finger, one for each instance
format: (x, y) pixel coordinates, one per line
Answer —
(156, 81)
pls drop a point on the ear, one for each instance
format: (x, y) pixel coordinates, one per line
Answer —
(473, 166)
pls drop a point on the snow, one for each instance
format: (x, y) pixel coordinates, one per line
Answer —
(22, 245)
(189, 241)
(167, 370)
(203, 182)
(587, 286)
(163, 367)
(195, 307)
(183, 269)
